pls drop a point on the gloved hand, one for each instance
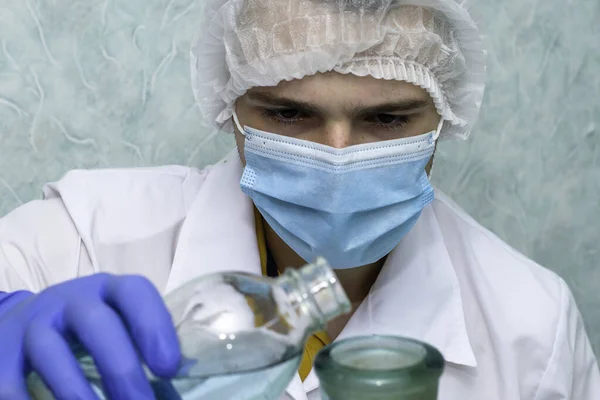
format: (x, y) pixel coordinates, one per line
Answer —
(117, 319)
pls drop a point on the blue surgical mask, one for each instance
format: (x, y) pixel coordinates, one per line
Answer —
(351, 205)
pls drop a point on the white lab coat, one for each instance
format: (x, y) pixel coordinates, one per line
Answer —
(508, 328)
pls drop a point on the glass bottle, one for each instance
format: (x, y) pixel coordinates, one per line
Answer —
(379, 368)
(241, 336)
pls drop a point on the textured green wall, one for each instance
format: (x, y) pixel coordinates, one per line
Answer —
(104, 83)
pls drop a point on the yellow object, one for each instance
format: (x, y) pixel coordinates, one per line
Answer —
(314, 343)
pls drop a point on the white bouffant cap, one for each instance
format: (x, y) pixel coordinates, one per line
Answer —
(431, 43)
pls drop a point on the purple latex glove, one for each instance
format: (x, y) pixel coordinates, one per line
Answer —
(116, 319)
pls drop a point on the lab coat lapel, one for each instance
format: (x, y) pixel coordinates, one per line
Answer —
(219, 235)
(219, 232)
(295, 390)
(417, 295)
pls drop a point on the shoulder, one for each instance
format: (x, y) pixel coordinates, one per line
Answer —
(125, 218)
(522, 318)
(33, 237)
(522, 310)
(487, 258)
(122, 186)
(114, 206)
(121, 201)
(513, 306)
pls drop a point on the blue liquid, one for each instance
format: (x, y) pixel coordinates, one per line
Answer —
(262, 384)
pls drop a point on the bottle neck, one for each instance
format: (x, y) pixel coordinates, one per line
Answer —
(313, 295)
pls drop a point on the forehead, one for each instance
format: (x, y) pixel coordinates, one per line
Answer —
(332, 88)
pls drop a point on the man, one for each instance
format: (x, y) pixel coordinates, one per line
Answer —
(336, 107)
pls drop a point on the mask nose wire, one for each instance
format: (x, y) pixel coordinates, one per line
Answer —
(236, 121)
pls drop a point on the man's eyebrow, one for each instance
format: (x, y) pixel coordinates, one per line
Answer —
(405, 105)
(282, 102)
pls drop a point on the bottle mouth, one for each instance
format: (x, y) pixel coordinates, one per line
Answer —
(325, 289)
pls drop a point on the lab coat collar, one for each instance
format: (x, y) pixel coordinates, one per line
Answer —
(416, 295)
(219, 232)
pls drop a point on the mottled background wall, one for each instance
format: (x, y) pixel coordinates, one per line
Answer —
(104, 83)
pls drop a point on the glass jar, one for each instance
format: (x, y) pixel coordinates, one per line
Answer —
(379, 368)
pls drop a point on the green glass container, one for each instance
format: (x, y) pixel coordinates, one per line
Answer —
(379, 368)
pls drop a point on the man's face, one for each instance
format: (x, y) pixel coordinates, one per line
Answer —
(338, 110)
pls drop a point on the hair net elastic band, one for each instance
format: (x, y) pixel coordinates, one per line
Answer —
(398, 71)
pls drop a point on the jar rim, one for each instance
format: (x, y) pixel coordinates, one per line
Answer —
(395, 361)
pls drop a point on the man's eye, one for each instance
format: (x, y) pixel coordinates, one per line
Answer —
(288, 115)
(388, 120)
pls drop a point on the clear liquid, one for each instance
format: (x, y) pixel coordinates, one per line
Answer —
(218, 354)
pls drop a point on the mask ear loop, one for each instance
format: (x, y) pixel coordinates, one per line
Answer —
(438, 131)
(236, 121)
(435, 138)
